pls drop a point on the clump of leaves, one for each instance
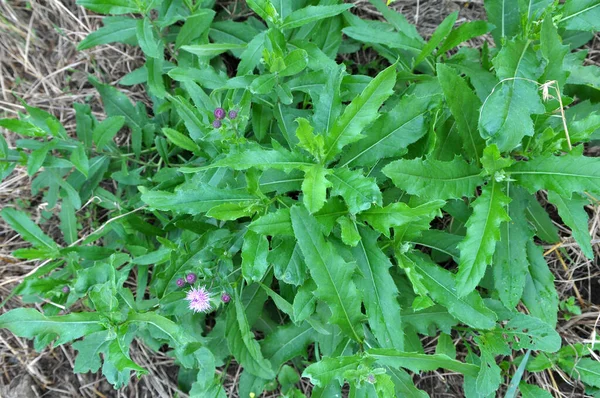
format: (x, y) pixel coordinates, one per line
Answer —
(269, 190)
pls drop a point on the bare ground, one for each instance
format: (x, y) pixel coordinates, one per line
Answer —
(39, 63)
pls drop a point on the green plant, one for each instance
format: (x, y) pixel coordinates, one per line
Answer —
(312, 206)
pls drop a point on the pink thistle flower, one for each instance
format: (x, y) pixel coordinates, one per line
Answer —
(199, 299)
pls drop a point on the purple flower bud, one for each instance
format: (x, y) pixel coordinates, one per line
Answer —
(180, 282)
(66, 289)
(191, 278)
(217, 124)
(219, 113)
(225, 298)
(232, 114)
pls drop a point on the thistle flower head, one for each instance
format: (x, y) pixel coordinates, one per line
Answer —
(191, 278)
(217, 124)
(225, 298)
(199, 299)
(66, 289)
(219, 113)
(232, 114)
(180, 282)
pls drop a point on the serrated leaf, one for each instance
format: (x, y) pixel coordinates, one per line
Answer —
(264, 9)
(464, 105)
(28, 230)
(359, 192)
(359, 113)
(477, 249)
(328, 369)
(573, 214)
(287, 343)
(531, 391)
(332, 275)
(463, 33)
(505, 15)
(314, 188)
(441, 286)
(89, 349)
(585, 369)
(349, 233)
(306, 15)
(510, 265)
(564, 175)
(383, 310)
(106, 130)
(391, 134)
(195, 201)
(506, 113)
(29, 323)
(532, 333)
(540, 295)
(278, 223)
(554, 53)
(434, 179)
(399, 214)
(417, 362)
(581, 15)
(307, 140)
(440, 33)
(242, 344)
(328, 105)
(287, 260)
(254, 256)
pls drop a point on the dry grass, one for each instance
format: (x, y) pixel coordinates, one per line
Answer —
(39, 63)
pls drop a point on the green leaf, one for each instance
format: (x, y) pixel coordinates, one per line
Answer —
(295, 62)
(242, 344)
(359, 113)
(180, 140)
(193, 120)
(542, 223)
(110, 6)
(89, 349)
(349, 233)
(391, 134)
(564, 175)
(441, 286)
(359, 192)
(254, 256)
(554, 53)
(477, 249)
(383, 310)
(510, 265)
(264, 9)
(115, 30)
(435, 179)
(440, 33)
(332, 275)
(106, 130)
(399, 214)
(68, 221)
(314, 188)
(117, 104)
(573, 214)
(195, 25)
(505, 16)
(287, 343)
(464, 105)
(307, 140)
(212, 49)
(506, 113)
(328, 105)
(148, 42)
(531, 391)
(417, 362)
(195, 201)
(22, 127)
(29, 323)
(277, 223)
(309, 14)
(581, 15)
(531, 333)
(540, 295)
(29, 231)
(328, 369)
(463, 33)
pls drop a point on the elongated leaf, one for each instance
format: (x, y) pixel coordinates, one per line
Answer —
(573, 214)
(362, 111)
(21, 223)
(68, 221)
(181, 140)
(195, 201)
(254, 256)
(148, 42)
(434, 179)
(463, 33)
(399, 214)
(504, 14)
(212, 49)
(332, 275)
(328, 369)
(510, 265)
(391, 134)
(329, 104)
(314, 188)
(532, 333)
(581, 15)
(531, 391)
(273, 224)
(506, 114)
(117, 104)
(310, 14)
(561, 174)
(106, 130)
(464, 105)
(195, 25)
(242, 344)
(420, 362)
(29, 323)
(540, 295)
(110, 6)
(115, 30)
(287, 343)
(441, 285)
(383, 310)
(438, 35)
(359, 192)
(477, 249)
